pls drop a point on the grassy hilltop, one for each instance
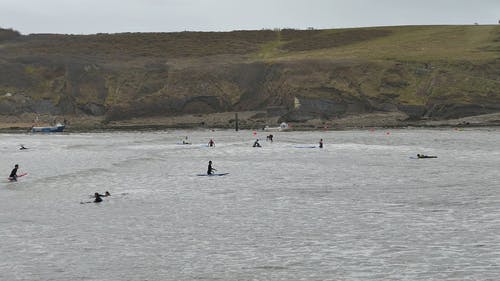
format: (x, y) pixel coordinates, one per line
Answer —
(419, 72)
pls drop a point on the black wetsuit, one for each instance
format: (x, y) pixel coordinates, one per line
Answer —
(210, 169)
(426, 156)
(98, 199)
(320, 144)
(13, 174)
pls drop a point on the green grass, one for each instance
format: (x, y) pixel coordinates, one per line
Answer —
(408, 64)
(404, 43)
(407, 43)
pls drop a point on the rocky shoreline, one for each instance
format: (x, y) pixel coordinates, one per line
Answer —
(253, 120)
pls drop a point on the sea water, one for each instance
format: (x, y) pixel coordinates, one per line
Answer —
(359, 209)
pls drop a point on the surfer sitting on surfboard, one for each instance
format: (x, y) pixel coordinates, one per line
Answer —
(256, 143)
(210, 168)
(97, 197)
(211, 143)
(13, 174)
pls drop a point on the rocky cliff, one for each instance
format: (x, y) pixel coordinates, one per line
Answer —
(422, 72)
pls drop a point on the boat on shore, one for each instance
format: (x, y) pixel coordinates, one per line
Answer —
(50, 129)
(283, 127)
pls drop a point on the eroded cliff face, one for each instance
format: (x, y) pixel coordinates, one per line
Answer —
(124, 87)
(307, 89)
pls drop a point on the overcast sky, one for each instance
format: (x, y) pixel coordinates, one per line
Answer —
(110, 16)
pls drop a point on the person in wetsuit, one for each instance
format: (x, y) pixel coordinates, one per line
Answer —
(425, 156)
(13, 174)
(211, 143)
(97, 197)
(256, 143)
(321, 143)
(106, 194)
(22, 147)
(210, 168)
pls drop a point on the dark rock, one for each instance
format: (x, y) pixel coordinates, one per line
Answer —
(276, 111)
(414, 112)
(204, 104)
(451, 111)
(93, 109)
(296, 116)
(44, 107)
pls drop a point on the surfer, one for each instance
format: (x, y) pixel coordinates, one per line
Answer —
(425, 156)
(185, 141)
(256, 143)
(210, 168)
(22, 147)
(270, 138)
(13, 174)
(211, 143)
(106, 194)
(321, 143)
(97, 197)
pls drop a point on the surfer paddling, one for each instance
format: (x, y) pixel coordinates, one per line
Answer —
(420, 156)
(97, 197)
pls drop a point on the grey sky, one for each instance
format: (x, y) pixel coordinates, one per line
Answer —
(109, 16)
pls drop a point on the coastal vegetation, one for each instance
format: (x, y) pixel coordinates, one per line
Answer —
(421, 72)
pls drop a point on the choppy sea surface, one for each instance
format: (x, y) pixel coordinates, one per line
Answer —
(359, 209)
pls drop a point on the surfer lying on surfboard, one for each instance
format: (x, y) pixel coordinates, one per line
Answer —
(425, 156)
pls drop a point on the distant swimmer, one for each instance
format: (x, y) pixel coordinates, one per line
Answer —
(269, 138)
(98, 198)
(256, 143)
(210, 168)
(321, 143)
(425, 156)
(22, 147)
(106, 194)
(13, 175)
(211, 143)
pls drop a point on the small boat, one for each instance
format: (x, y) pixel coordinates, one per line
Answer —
(51, 129)
(283, 127)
